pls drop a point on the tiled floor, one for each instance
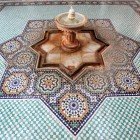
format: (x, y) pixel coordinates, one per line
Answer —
(100, 103)
(29, 119)
(124, 22)
(3, 65)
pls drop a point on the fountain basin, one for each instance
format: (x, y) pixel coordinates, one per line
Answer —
(63, 21)
(70, 23)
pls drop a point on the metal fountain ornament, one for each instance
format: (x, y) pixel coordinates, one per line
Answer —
(70, 23)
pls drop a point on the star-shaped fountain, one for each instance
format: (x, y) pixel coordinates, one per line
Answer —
(71, 47)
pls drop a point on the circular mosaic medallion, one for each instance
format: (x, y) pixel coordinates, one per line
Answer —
(23, 59)
(127, 81)
(107, 34)
(129, 45)
(48, 83)
(73, 106)
(102, 23)
(117, 57)
(11, 46)
(35, 24)
(95, 83)
(32, 36)
(15, 83)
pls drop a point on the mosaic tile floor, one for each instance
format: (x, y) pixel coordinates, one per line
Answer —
(28, 119)
(25, 13)
(98, 103)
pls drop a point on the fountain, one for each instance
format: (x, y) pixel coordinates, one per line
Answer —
(70, 23)
(69, 45)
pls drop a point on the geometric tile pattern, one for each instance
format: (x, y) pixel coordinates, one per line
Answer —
(19, 15)
(95, 83)
(23, 59)
(24, 119)
(15, 83)
(3, 66)
(136, 61)
(48, 83)
(127, 81)
(117, 118)
(72, 100)
(11, 46)
(28, 119)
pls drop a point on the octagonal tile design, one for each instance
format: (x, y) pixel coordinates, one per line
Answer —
(72, 100)
(48, 83)
(73, 106)
(11, 46)
(15, 83)
(95, 82)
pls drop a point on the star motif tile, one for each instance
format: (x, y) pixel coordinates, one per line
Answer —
(51, 54)
(72, 98)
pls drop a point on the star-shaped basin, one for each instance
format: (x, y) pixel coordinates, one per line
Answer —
(52, 55)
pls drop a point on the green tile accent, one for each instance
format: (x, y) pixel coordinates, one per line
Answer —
(118, 118)
(123, 17)
(28, 120)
